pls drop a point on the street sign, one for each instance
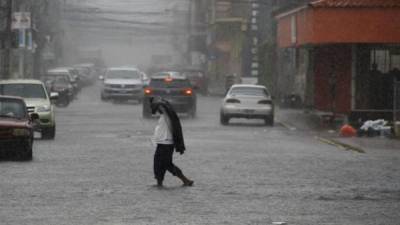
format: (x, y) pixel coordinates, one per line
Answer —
(21, 20)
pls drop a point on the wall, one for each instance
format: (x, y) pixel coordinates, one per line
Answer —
(332, 60)
(340, 25)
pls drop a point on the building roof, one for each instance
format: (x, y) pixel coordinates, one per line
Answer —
(355, 3)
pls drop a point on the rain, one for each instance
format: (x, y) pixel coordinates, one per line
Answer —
(199, 112)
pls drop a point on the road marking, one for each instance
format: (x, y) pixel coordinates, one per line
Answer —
(339, 144)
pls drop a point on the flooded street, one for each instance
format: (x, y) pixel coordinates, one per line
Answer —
(319, 78)
(98, 171)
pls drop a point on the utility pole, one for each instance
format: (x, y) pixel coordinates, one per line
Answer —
(6, 40)
(190, 33)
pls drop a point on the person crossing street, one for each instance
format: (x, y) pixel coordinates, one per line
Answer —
(167, 137)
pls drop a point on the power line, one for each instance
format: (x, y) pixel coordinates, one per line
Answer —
(103, 19)
(161, 30)
(116, 12)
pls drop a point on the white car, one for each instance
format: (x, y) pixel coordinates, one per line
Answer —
(122, 83)
(247, 101)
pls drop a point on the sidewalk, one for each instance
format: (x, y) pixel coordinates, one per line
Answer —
(298, 119)
(310, 122)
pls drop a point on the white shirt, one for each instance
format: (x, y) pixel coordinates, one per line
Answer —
(162, 132)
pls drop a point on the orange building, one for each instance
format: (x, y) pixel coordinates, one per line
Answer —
(353, 54)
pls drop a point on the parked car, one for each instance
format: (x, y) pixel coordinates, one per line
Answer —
(64, 76)
(122, 83)
(247, 101)
(174, 88)
(64, 90)
(37, 100)
(87, 73)
(16, 128)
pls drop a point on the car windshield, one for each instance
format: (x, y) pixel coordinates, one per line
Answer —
(123, 74)
(169, 83)
(167, 74)
(23, 90)
(250, 91)
(12, 108)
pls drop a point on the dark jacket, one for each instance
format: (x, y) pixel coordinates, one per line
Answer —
(177, 134)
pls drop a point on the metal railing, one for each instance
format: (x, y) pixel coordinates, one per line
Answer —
(396, 100)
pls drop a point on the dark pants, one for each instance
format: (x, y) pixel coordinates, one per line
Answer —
(163, 162)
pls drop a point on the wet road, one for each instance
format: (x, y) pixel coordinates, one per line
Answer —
(98, 170)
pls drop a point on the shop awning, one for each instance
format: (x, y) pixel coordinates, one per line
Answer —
(340, 21)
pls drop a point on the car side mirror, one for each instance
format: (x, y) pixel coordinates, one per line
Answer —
(34, 116)
(54, 96)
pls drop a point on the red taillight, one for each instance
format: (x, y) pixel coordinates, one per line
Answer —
(147, 91)
(188, 91)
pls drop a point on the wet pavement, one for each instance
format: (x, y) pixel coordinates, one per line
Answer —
(98, 170)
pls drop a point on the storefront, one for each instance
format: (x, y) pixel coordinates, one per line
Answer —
(353, 54)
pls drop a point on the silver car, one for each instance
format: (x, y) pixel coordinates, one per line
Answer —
(247, 101)
(122, 83)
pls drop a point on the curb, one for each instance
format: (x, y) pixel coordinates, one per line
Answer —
(340, 144)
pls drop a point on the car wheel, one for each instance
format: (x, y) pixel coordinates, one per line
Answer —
(64, 102)
(224, 119)
(49, 133)
(269, 121)
(26, 152)
(192, 112)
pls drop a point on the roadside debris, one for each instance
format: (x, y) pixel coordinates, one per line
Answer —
(372, 128)
(347, 131)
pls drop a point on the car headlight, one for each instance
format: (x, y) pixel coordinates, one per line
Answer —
(43, 108)
(20, 132)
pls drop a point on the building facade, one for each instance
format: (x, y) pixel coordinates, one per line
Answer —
(29, 29)
(347, 54)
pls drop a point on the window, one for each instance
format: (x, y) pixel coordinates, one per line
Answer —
(249, 91)
(385, 59)
(123, 74)
(12, 108)
(174, 83)
(23, 90)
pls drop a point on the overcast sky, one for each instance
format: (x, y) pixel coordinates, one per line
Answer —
(128, 31)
